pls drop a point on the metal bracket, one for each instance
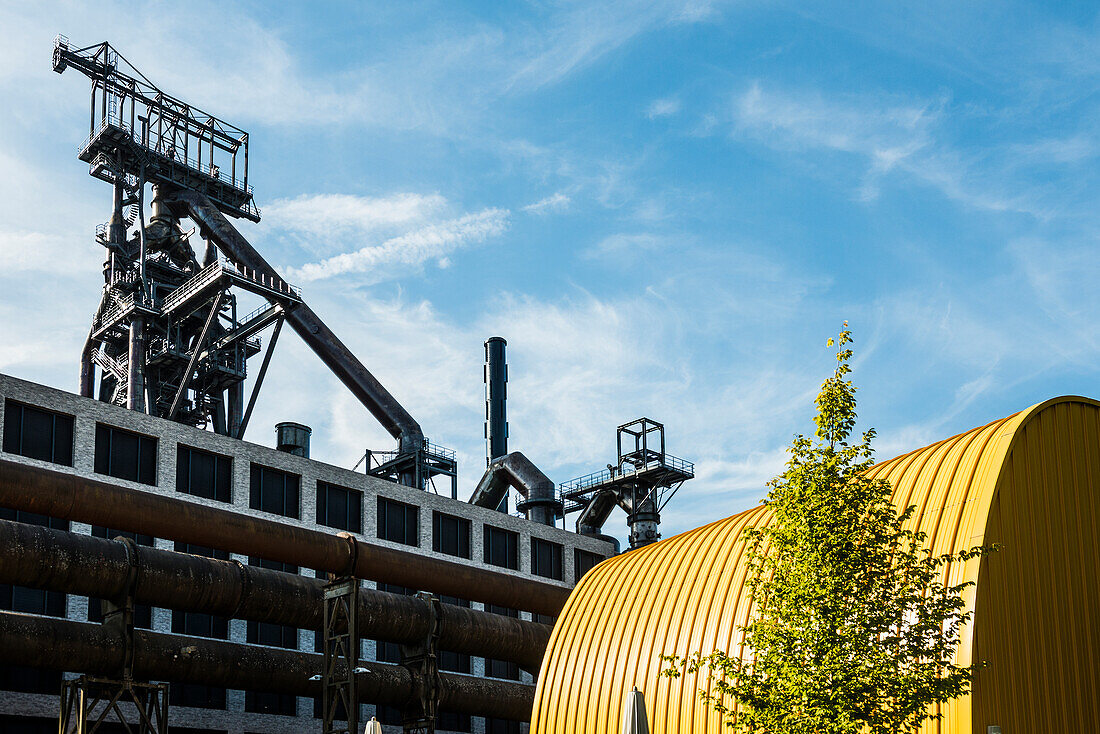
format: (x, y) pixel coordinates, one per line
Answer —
(340, 700)
(118, 614)
(422, 662)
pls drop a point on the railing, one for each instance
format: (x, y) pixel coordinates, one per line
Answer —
(264, 280)
(213, 170)
(199, 281)
(588, 481)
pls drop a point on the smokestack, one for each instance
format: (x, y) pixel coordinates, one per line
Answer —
(496, 392)
(496, 416)
(293, 438)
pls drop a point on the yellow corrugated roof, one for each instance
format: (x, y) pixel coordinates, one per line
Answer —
(1021, 482)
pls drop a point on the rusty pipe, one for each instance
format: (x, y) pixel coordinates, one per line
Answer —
(313, 331)
(81, 647)
(56, 560)
(82, 499)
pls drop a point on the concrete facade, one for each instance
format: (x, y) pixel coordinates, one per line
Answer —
(234, 720)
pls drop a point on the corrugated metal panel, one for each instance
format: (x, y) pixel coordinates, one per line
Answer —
(1028, 482)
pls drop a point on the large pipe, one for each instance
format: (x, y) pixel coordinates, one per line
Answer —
(81, 499)
(370, 392)
(81, 647)
(496, 396)
(56, 560)
(540, 501)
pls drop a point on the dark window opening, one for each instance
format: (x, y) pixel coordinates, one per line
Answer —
(501, 726)
(450, 535)
(546, 559)
(125, 455)
(398, 522)
(265, 702)
(143, 613)
(501, 547)
(389, 715)
(37, 433)
(203, 474)
(583, 562)
(21, 598)
(266, 633)
(448, 721)
(274, 491)
(30, 680)
(197, 696)
(339, 507)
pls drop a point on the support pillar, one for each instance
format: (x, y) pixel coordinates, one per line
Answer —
(422, 662)
(340, 700)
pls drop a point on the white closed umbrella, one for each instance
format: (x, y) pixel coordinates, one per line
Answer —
(373, 726)
(634, 718)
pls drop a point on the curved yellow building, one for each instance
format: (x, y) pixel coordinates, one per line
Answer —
(1029, 482)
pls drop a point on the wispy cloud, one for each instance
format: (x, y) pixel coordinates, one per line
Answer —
(554, 203)
(321, 213)
(888, 134)
(665, 107)
(410, 250)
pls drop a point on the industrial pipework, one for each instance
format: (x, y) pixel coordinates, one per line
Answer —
(82, 499)
(82, 647)
(56, 560)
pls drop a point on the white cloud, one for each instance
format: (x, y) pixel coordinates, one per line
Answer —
(412, 249)
(663, 108)
(318, 215)
(554, 203)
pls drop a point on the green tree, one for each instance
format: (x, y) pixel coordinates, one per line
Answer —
(853, 629)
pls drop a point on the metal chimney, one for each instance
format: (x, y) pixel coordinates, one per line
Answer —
(293, 438)
(496, 392)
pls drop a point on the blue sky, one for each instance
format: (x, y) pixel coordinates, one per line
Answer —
(666, 208)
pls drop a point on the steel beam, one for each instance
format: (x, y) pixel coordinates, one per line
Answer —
(81, 499)
(81, 647)
(313, 331)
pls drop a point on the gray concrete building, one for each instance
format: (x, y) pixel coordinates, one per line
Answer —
(52, 428)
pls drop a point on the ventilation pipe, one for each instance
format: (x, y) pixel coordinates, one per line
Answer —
(540, 501)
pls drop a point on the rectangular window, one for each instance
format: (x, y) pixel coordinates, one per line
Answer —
(203, 474)
(450, 535)
(143, 613)
(339, 507)
(199, 624)
(546, 559)
(264, 702)
(448, 721)
(21, 598)
(501, 668)
(501, 547)
(583, 562)
(501, 726)
(274, 491)
(265, 633)
(398, 522)
(197, 696)
(37, 433)
(29, 680)
(125, 455)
